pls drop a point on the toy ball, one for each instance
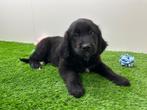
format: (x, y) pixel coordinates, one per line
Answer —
(127, 60)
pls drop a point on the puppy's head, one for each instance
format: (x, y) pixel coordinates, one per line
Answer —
(84, 38)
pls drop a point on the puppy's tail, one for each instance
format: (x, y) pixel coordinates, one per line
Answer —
(25, 60)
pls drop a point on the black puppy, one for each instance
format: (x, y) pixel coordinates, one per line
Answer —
(79, 50)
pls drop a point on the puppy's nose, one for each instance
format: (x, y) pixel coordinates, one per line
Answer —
(86, 47)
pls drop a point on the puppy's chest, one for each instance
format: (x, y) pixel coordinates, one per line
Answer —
(87, 70)
(83, 68)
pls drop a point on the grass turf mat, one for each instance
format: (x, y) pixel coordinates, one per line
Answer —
(23, 88)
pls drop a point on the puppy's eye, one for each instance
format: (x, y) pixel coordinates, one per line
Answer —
(76, 34)
(91, 32)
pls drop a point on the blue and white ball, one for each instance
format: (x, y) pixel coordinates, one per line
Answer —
(127, 60)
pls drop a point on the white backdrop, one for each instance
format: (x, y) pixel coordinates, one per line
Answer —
(123, 22)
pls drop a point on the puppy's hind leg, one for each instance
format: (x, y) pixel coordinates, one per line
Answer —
(33, 63)
(40, 54)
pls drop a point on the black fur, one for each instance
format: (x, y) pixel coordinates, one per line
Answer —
(80, 49)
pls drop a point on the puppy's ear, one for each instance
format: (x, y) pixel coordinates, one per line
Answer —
(64, 51)
(102, 44)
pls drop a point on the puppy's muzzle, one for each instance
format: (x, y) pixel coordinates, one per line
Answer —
(86, 47)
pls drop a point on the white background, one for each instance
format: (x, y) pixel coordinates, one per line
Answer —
(123, 22)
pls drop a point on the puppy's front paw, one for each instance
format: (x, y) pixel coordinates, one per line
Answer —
(76, 90)
(122, 82)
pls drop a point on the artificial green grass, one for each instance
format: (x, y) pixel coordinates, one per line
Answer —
(23, 88)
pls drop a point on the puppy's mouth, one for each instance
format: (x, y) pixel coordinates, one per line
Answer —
(86, 55)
